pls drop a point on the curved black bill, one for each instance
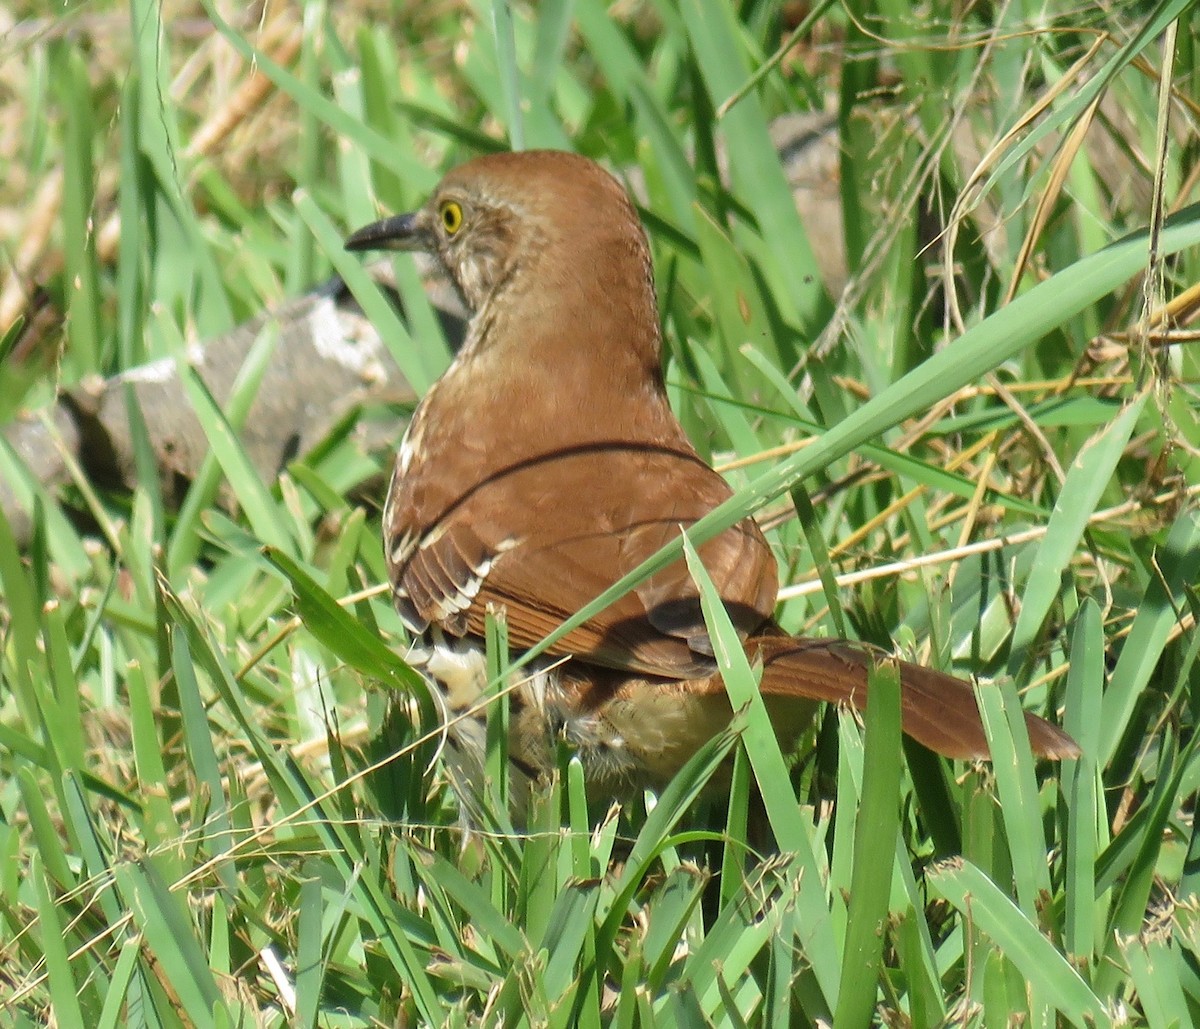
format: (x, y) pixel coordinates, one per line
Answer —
(400, 232)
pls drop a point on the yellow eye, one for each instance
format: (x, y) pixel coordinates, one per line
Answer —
(452, 216)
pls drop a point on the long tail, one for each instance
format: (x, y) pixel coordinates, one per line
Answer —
(937, 710)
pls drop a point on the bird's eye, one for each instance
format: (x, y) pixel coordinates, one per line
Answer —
(452, 216)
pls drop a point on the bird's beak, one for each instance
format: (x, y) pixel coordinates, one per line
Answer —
(400, 232)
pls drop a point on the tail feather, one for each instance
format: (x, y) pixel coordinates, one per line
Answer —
(937, 710)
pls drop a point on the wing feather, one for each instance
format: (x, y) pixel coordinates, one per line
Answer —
(541, 556)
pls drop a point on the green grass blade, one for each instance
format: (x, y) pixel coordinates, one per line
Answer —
(1086, 816)
(1176, 568)
(876, 824)
(771, 772)
(1086, 483)
(963, 885)
(343, 634)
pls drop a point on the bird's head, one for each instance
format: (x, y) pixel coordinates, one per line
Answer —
(498, 217)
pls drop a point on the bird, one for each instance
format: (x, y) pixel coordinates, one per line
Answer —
(546, 463)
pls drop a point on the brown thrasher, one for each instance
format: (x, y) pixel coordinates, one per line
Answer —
(546, 463)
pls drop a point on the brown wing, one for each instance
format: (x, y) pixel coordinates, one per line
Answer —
(542, 556)
(936, 709)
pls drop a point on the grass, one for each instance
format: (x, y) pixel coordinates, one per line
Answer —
(216, 796)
